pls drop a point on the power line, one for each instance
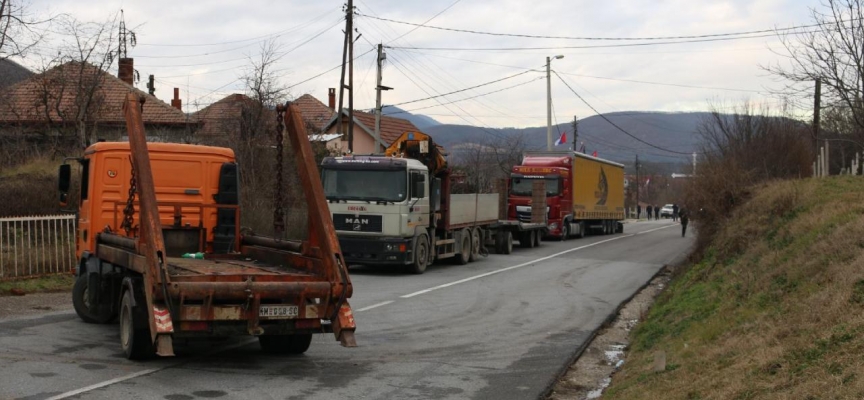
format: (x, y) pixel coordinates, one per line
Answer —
(275, 34)
(712, 35)
(465, 89)
(602, 46)
(469, 98)
(426, 22)
(612, 123)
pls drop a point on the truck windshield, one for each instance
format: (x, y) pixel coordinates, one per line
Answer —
(365, 185)
(522, 186)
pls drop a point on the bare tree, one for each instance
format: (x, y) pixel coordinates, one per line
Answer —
(20, 30)
(264, 87)
(831, 51)
(69, 87)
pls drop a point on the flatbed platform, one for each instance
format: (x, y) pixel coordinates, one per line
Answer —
(178, 266)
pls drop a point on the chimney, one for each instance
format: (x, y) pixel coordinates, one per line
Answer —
(175, 102)
(331, 98)
(125, 70)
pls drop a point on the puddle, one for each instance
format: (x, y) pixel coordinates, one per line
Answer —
(596, 393)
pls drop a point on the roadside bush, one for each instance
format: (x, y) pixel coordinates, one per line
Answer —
(742, 150)
(29, 189)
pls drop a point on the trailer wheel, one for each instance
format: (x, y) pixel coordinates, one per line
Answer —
(464, 255)
(421, 256)
(476, 242)
(285, 344)
(580, 229)
(89, 313)
(507, 243)
(134, 339)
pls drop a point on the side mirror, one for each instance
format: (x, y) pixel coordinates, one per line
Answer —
(64, 180)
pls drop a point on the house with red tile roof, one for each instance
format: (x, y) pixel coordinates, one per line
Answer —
(84, 102)
(365, 139)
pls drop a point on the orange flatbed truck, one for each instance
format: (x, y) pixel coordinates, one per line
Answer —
(130, 243)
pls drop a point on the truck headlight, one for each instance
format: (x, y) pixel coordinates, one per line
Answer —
(389, 247)
(553, 226)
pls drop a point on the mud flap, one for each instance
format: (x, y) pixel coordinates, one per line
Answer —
(343, 326)
(164, 330)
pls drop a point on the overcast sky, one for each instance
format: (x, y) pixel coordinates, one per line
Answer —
(205, 72)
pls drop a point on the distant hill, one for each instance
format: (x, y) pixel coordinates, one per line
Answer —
(420, 121)
(674, 131)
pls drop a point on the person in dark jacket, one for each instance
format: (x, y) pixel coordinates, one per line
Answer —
(674, 213)
(638, 212)
(650, 209)
(685, 218)
(656, 213)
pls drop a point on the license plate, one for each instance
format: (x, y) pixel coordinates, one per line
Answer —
(278, 312)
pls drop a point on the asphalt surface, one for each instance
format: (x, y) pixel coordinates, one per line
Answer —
(500, 328)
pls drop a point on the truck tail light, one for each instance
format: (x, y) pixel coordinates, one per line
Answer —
(402, 248)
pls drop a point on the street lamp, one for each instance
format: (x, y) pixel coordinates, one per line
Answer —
(549, 102)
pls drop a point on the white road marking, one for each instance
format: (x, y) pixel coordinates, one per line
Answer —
(532, 262)
(381, 304)
(655, 229)
(103, 384)
(140, 373)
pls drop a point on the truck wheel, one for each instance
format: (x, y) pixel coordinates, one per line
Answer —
(89, 313)
(507, 243)
(134, 339)
(565, 231)
(464, 255)
(536, 238)
(421, 256)
(285, 344)
(476, 242)
(580, 229)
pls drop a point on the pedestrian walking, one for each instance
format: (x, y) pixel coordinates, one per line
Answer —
(674, 213)
(638, 212)
(685, 218)
(656, 213)
(650, 209)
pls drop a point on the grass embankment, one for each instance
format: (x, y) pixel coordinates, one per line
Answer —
(773, 310)
(43, 284)
(29, 189)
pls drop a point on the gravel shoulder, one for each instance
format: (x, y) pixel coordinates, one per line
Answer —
(34, 304)
(592, 372)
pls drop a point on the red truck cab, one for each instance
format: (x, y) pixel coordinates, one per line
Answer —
(556, 171)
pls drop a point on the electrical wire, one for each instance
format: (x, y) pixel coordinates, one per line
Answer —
(470, 98)
(465, 89)
(426, 22)
(713, 35)
(612, 123)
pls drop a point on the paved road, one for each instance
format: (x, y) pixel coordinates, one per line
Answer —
(500, 328)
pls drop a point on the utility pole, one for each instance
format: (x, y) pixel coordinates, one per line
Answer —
(378, 88)
(575, 133)
(694, 163)
(549, 102)
(638, 182)
(350, 33)
(347, 51)
(548, 106)
(817, 100)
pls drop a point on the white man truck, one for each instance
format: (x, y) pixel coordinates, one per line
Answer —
(397, 209)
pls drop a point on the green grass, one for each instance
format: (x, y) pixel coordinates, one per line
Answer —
(50, 283)
(772, 310)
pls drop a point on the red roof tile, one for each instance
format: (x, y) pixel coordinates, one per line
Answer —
(24, 102)
(391, 128)
(315, 113)
(224, 117)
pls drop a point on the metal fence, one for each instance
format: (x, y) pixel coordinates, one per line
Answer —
(40, 245)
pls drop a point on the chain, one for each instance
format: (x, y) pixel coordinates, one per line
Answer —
(129, 210)
(278, 213)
